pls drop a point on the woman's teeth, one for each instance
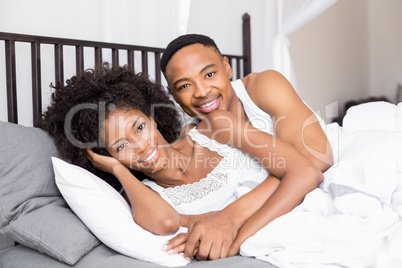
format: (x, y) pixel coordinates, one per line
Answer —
(150, 156)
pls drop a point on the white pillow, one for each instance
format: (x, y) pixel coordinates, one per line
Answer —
(371, 115)
(105, 212)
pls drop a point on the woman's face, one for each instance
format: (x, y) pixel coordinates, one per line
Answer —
(132, 138)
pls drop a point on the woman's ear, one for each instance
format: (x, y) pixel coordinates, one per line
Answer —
(227, 67)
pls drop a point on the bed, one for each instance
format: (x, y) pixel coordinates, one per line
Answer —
(38, 228)
(352, 220)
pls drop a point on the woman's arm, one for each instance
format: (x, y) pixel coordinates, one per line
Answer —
(149, 209)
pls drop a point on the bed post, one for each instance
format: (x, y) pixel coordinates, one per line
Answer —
(246, 44)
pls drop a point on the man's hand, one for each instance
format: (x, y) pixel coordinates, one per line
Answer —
(209, 237)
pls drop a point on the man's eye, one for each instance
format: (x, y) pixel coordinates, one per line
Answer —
(184, 86)
(121, 147)
(210, 74)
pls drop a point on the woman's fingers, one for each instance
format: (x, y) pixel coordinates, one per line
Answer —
(176, 242)
(178, 249)
(90, 153)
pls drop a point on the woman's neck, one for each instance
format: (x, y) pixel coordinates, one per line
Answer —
(177, 163)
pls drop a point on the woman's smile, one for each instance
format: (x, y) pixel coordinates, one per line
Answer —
(151, 158)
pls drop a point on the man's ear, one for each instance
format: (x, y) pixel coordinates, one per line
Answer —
(227, 67)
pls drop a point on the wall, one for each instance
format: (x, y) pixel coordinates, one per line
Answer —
(330, 55)
(350, 51)
(385, 41)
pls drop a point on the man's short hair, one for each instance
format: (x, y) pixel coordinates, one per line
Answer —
(183, 41)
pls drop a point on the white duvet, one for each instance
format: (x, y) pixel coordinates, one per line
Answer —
(354, 218)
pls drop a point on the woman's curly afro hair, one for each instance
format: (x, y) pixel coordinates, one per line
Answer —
(77, 111)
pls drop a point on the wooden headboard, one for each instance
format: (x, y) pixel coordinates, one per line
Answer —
(241, 64)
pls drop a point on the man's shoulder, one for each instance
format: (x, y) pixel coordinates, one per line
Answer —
(267, 88)
(255, 81)
(260, 85)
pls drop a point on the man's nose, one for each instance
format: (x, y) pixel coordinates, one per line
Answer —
(201, 91)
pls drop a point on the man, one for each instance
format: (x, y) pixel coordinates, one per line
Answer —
(198, 78)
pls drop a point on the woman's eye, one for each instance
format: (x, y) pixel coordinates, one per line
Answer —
(141, 127)
(121, 147)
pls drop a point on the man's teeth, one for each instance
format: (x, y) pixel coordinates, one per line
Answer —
(150, 156)
(208, 104)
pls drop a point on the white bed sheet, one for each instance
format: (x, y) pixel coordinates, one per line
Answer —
(354, 218)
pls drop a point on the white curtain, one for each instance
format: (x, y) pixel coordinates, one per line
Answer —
(183, 15)
(291, 15)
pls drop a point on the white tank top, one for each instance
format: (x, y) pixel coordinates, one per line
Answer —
(257, 117)
(236, 174)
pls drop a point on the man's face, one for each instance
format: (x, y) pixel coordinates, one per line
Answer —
(199, 80)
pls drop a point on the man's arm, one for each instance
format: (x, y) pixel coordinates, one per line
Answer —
(295, 123)
(220, 227)
(212, 235)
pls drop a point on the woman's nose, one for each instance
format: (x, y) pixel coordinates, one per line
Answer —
(140, 146)
(138, 143)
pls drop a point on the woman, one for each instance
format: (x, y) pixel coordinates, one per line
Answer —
(123, 123)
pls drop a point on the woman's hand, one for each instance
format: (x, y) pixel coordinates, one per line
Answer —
(150, 211)
(102, 162)
(178, 243)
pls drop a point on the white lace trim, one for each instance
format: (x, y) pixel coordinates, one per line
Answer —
(215, 180)
(212, 145)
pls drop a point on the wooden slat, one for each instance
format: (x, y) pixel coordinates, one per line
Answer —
(144, 62)
(158, 68)
(246, 44)
(98, 57)
(231, 65)
(11, 82)
(130, 59)
(115, 57)
(238, 69)
(36, 83)
(79, 59)
(58, 62)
